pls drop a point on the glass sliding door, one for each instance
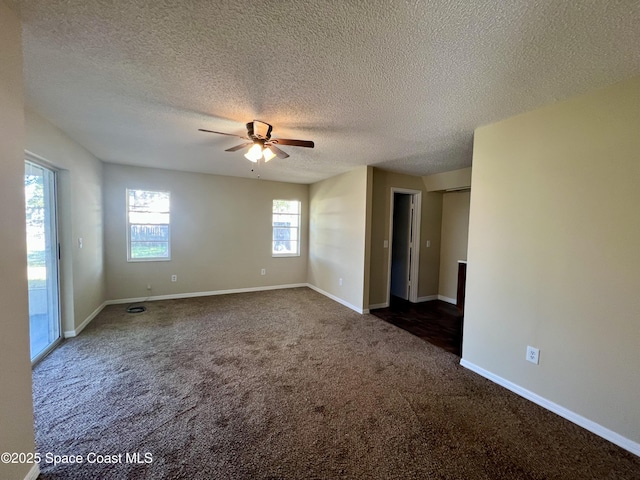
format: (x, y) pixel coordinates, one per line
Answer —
(42, 259)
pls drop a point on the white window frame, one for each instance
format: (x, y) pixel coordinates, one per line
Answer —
(297, 228)
(147, 259)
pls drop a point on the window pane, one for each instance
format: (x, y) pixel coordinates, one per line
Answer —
(285, 248)
(285, 220)
(286, 223)
(149, 249)
(147, 201)
(281, 234)
(286, 206)
(149, 233)
(284, 234)
(137, 217)
(285, 239)
(148, 221)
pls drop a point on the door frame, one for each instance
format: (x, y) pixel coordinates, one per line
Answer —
(41, 162)
(414, 267)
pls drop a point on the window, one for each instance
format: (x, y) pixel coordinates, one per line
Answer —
(286, 228)
(148, 225)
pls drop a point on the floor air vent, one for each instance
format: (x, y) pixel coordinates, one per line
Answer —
(136, 309)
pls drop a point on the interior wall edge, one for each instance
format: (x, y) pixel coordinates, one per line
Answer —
(338, 299)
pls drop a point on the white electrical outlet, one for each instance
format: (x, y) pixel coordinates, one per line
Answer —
(428, 243)
(148, 286)
(533, 355)
(80, 242)
(386, 244)
(340, 281)
(174, 278)
(263, 271)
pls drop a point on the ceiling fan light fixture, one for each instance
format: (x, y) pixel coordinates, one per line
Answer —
(254, 154)
(268, 154)
(260, 142)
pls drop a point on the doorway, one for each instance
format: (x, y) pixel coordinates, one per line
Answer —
(42, 259)
(404, 235)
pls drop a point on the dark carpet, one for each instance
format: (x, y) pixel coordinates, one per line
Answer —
(289, 384)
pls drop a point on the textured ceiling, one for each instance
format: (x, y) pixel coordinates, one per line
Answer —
(396, 84)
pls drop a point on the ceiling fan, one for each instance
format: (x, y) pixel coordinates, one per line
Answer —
(261, 143)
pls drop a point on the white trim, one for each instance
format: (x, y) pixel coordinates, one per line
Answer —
(130, 259)
(428, 298)
(414, 267)
(75, 332)
(378, 305)
(175, 296)
(337, 299)
(610, 435)
(41, 160)
(33, 473)
(447, 299)
(415, 245)
(297, 228)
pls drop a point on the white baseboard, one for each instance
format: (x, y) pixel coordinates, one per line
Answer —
(337, 299)
(610, 435)
(375, 306)
(76, 332)
(175, 296)
(428, 298)
(79, 328)
(447, 299)
(33, 473)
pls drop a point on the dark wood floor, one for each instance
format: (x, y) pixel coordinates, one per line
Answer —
(437, 322)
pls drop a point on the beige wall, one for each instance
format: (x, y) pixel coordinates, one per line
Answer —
(455, 232)
(429, 230)
(554, 255)
(337, 236)
(16, 405)
(220, 234)
(83, 287)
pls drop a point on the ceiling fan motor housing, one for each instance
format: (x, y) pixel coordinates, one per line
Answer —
(259, 130)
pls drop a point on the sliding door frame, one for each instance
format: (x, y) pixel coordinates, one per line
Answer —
(55, 233)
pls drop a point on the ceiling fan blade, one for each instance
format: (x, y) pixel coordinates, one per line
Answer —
(222, 133)
(293, 143)
(277, 151)
(238, 147)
